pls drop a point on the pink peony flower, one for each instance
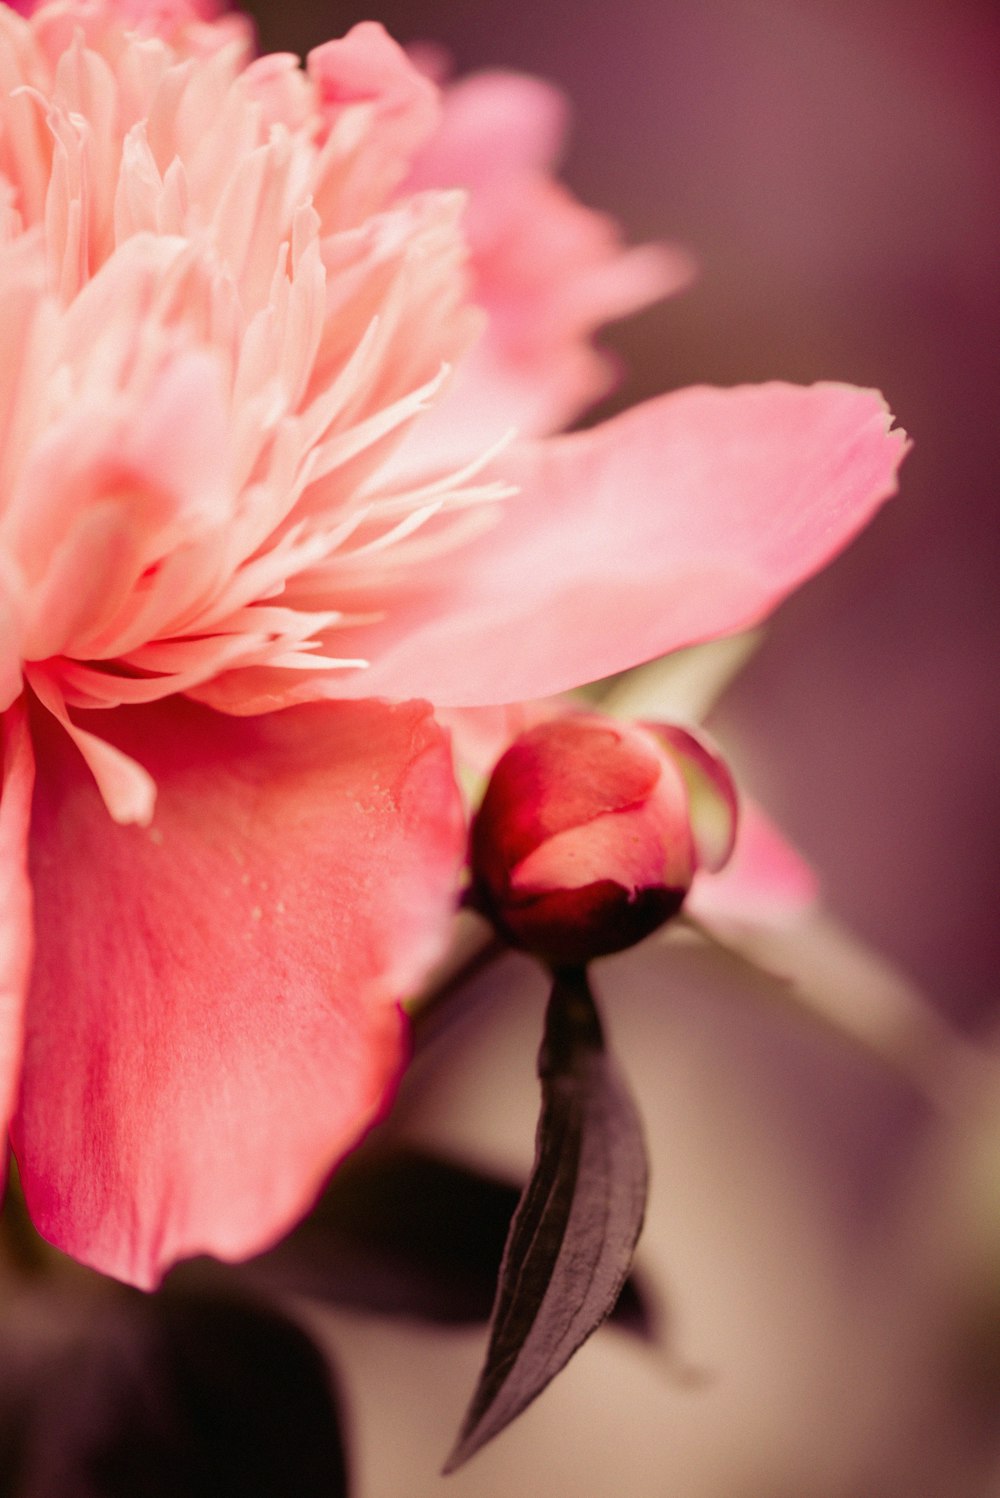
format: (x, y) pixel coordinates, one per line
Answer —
(249, 512)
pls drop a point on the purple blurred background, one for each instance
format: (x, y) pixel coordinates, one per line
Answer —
(834, 167)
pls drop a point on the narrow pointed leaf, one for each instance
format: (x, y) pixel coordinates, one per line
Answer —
(400, 1232)
(574, 1232)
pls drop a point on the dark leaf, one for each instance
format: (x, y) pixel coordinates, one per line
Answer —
(575, 1229)
(403, 1233)
(400, 1234)
(181, 1396)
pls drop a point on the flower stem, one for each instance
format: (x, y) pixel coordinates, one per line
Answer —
(895, 1026)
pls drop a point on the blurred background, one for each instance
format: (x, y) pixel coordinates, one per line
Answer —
(821, 1236)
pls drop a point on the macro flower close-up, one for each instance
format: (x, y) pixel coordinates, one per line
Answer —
(276, 473)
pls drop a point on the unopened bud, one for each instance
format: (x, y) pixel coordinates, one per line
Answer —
(591, 831)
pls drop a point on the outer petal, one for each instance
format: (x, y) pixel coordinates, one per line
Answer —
(18, 771)
(689, 517)
(765, 883)
(214, 1018)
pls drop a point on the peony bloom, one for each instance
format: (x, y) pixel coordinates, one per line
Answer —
(591, 832)
(251, 515)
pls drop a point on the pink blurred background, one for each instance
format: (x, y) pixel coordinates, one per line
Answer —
(834, 166)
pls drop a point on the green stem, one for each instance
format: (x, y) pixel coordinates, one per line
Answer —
(906, 1035)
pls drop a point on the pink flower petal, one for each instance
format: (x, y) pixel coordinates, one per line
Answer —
(766, 882)
(128, 791)
(493, 124)
(548, 270)
(367, 70)
(479, 735)
(713, 804)
(689, 517)
(18, 772)
(11, 632)
(214, 1014)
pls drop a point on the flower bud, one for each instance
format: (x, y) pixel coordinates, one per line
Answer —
(591, 831)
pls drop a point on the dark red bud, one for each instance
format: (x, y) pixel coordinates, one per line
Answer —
(584, 842)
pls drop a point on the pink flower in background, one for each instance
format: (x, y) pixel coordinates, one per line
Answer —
(256, 497)
(547, 269)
